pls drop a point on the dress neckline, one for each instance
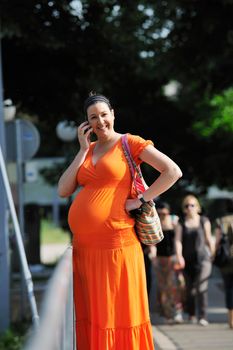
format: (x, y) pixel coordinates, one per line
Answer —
(193, 227)
(101, 157)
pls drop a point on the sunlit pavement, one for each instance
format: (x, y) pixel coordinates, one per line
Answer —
(216, 335)
(50, 253)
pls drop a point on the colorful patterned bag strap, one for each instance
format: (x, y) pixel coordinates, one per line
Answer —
(135, 170)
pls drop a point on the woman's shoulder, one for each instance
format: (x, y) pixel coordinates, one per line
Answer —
(204, 219)
(135, 138)
(138, 141)
(137, 144)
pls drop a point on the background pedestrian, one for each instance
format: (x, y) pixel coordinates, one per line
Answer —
(194, 248)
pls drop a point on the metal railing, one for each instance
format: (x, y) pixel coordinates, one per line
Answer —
(56, 326)
(23, 260)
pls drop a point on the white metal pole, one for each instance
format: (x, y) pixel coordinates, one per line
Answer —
(22, 255)
(4, 241)
(20, 192)
(20, 180)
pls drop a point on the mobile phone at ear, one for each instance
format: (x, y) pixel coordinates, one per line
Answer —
(93, 137)
(87, 129)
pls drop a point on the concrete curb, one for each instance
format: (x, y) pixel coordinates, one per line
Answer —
(161, 341)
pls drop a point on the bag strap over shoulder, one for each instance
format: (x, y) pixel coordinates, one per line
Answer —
(135, 170)
(128, 155)
(132, 164)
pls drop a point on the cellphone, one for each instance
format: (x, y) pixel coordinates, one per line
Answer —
(93, 137)
(92, 134)
(87, 128)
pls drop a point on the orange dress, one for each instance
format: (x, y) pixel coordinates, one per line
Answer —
(110, 294)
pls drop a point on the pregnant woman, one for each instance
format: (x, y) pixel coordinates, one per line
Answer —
(110, 293)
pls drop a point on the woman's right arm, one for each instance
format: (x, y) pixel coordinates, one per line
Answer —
(218, 235)
(178, 245)
(67, 183)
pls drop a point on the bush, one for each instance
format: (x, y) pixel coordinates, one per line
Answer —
(14, 338)
(11, 341)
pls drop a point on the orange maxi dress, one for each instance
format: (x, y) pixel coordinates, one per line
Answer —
(111, 303)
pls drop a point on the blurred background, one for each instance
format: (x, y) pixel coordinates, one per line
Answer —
(167, 67)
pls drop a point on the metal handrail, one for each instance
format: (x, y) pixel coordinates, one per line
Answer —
(56, 326)
(22, 255)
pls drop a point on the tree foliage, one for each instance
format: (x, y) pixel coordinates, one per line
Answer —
(221, 116)
(55, 52)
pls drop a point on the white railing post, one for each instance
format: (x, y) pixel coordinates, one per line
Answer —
(23, 259)
(56, 327)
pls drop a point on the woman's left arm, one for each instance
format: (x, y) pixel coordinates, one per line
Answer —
(169, 171)
(169, 174)
(208, 236)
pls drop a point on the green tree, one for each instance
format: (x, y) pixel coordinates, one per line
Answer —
(54, 53)
(221, 115)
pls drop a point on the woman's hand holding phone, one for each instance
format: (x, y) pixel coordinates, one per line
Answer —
(84, 132)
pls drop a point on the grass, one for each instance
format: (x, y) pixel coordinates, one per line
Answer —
(51, 234)
(11, 341)
(14, 338)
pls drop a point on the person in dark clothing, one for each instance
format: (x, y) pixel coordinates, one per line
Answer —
(146, 253)
(169, 281)
(224, 227)
(194, 248)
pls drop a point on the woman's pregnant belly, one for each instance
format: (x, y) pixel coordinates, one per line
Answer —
(95, 210)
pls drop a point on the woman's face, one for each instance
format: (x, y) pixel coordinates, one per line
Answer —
(190, 206)
(100, 118)
(163, 213)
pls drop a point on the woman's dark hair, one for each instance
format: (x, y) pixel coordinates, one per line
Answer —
(163, 205)
(229, 206)
(94, 98)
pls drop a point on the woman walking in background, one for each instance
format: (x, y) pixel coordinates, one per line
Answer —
(224, 231)
(111, 303)
(194, 248)
(170, 282)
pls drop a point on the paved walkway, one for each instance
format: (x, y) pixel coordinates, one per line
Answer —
(177, 337)
(50, 253)
(216, 335)
(193, 337)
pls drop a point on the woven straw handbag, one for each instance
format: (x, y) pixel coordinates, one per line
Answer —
(147, 222)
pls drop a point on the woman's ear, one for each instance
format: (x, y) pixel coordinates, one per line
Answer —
(112, 111)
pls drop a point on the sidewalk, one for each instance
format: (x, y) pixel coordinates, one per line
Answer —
(175, 337)
(41, 274)
(51, 253)
(216, 335)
